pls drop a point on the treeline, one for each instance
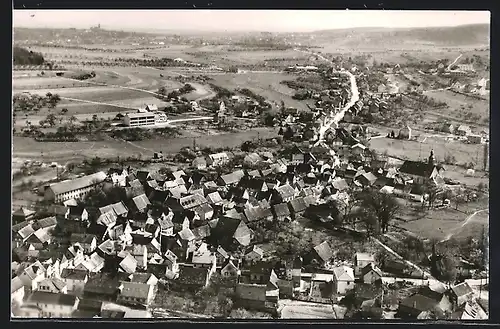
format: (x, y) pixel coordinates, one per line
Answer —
(221, 92)
(23, 56)
(139, 134)
(251, 94)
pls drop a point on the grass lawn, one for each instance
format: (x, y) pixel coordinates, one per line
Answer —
(455, 101)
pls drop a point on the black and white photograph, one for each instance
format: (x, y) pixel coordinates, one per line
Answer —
(279, 165)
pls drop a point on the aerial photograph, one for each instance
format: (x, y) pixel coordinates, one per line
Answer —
(250, 164)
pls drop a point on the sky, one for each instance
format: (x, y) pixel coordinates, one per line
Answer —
(244, 20)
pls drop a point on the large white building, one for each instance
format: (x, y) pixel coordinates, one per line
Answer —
(73, 189)
(139, 119)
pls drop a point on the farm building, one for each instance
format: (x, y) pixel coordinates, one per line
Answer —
(463, 130)
(73, 189)
(139, 119)
(420, 172)
(475, 139)
(448, 128)
(405, 133)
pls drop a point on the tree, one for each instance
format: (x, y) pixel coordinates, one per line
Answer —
(380, 206)
(51, 120)
(162, 91)
(64, 111)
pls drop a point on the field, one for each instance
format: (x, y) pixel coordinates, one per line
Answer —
(305, 310)
(27, 148)
(456, 101)
(414, 150)
(264, 84)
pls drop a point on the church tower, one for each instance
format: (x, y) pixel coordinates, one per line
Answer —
(432, 159)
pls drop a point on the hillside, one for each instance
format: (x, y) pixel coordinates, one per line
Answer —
(464, 35)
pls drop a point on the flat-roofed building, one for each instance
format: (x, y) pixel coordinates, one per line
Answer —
(139, 119)
(73, 189)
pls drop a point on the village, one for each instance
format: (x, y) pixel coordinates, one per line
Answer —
(288, 227)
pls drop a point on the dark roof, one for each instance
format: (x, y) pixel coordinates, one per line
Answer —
(82, 238)
(58, 210)
(281, 210)
(76, 210)
(417, 168)
(51, 298)
(191, 275)
(419, 302)
(73, 274)
(462, 289)
(298, 204)
(285, 191)
(257, 213)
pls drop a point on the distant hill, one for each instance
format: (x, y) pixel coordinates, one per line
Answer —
(463, 35)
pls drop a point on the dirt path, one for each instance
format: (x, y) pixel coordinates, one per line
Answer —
(465, 222)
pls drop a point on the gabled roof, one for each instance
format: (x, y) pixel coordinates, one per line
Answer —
(82, 238)
(462, 289)
(285, 191)
(79, 183)
(243, 234)
(15, 284)
(42, 235)
(419, 302)
(23, 212)
(257, 213)
(324, 251)
(214, 198)
(201, 232)
(255, 249)
(363, 256)
(233, 177)
(298, 204)
(186, 234)
(128, 264)
(281, 210)
(42, 297)
(417, 168)
(343, 273)
(59, 210)
(26, 232)
(141, 202)
(73, 274)
(192, 201)
(371, 267)
(107, 219)
(55, 283)
(135, 289)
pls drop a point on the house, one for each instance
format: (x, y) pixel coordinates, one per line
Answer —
(16, 291)
(217, 159)
(463, 130)
(471, 310)
(78, 213)
(73, 189)
(448, 128)
(460, 294)
(92, 264)
(103, 286)
(366, 179)
(343, 279)
(229, 230)
(140, 203)
(253, 255)
(136, 293)
(40, 304)
(128, 264)
(22, 214)
(75, 280)
(417, 305)
(146, 278)
(194, 278)
(475, 139)
(199, 163)
(323, 252)
(52, 285)
(41, 237)
(118, 176)
(61, 212)
(281, 212)
(232, 178)
(255, 214)
(229, 270)
(405, 133)
(284, 193)
(256, 296)
(371, 274)
(361, 260)
(87, 241)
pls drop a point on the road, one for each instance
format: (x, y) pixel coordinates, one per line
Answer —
(465, 222)
(293, 309)
(335, 117)
(453, 63)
